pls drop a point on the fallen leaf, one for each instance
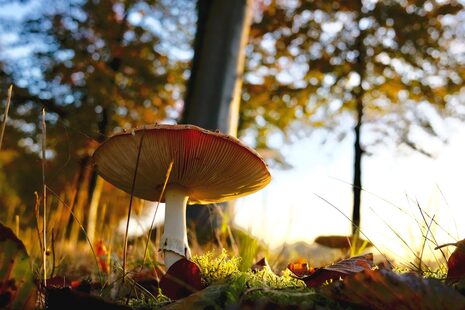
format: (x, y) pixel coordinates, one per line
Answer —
(59, 281)
(260, 264)
(62, 298)
(300, 268)
(148, 279)
(182, 279)
(456, 264)
(383, 289)
(17, 288)
(338, 270)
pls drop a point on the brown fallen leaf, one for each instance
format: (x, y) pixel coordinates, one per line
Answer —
(65, 297)
(338, 270)
(260, 264)
(383, 289)
(182, 279)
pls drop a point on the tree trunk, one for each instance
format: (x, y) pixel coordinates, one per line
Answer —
(213, 91)
(93, 208)
(358, 150)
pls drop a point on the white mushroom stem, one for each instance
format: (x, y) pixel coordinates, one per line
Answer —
(174, 241)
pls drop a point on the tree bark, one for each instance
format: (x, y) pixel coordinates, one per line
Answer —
(359, 105)
(213, 91)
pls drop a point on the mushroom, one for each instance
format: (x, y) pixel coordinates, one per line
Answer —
(208, 167)
(344, 243)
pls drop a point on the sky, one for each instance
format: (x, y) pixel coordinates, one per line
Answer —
(291, 208)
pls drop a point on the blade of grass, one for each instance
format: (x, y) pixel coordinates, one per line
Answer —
(125, 249)
(428, 230)
(426, 223)
(168, 174)
(5, 115)
(358, 227)
(395, 232)
(397, 207)
(44, 198)
(451, 211)
(36, 213)
(82, 228)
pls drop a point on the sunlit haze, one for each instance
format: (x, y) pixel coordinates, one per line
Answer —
(291, 208)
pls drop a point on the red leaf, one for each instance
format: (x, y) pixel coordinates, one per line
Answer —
(340, 269)
(456, 264)
(182, 279)
(102, 255)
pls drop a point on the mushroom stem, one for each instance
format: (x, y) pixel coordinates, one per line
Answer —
(174, 241)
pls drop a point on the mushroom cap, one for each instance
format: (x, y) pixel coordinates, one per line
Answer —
(210, 166)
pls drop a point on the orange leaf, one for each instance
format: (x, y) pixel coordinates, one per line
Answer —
(102, 255)
(300, 268)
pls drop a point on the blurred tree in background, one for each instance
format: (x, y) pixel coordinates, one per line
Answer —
(376, 63)
(97, 67)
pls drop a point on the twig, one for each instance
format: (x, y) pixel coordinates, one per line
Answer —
(44, 189)
(53, 253)
(82, 228)
(36, 213)
(5, 115)
(125, 249)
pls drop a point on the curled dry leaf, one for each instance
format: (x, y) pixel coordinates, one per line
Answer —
(383, 289)
(456, 264)
(182, 279)
(17, 288)
(260, 265)
(300, 268)
(338, 270)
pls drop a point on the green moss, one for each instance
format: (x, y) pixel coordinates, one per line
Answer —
(233, 286)
(216, 268)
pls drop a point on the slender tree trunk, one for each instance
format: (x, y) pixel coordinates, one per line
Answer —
(213, 91)
(358, 150)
